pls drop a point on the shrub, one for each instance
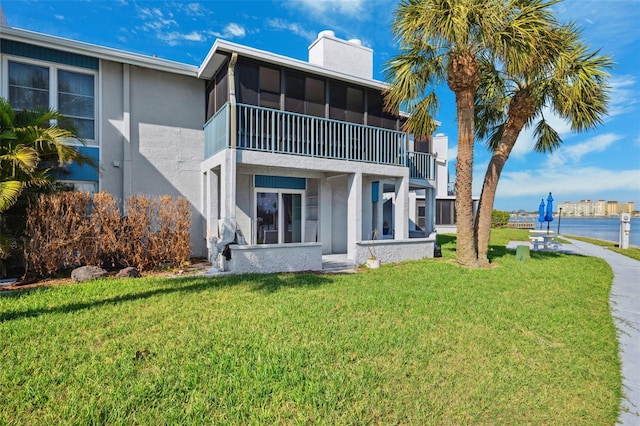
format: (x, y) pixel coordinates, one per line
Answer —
(499, 219)
(72, 229)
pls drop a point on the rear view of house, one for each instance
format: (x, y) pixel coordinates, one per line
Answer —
(283, 161)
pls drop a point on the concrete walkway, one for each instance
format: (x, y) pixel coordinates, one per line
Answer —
(625, 307)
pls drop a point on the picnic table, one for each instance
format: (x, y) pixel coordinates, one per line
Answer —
(543, 240)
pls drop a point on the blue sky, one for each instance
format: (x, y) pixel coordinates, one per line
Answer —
(601, 164)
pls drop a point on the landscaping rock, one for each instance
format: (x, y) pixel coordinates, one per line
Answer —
(129, 272)
(87, 273)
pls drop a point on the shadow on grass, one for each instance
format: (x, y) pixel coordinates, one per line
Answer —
(258, 282)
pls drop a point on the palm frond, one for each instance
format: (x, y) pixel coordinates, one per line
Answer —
(9, 193)
(547, 139)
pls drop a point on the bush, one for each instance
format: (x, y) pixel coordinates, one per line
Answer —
(72, 229)
(499, 219)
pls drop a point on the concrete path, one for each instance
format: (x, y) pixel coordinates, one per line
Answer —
(625, 306)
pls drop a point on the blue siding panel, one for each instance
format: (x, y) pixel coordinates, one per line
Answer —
(280, 182)
(85, 172)
(25, 50)
(375, 189)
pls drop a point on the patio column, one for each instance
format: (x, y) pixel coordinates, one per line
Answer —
(402, 208)
(325, 211)
(354, 213)
(228, 185)
(211, 204)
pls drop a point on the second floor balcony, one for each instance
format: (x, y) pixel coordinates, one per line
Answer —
(276, 131)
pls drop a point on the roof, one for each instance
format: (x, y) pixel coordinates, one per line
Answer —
(221, 49)
(73, 46)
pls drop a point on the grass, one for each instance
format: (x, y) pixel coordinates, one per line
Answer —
(424, 342)
(632, 252)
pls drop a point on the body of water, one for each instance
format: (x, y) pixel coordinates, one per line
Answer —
(601, 228)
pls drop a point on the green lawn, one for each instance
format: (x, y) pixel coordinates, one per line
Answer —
(424, 342)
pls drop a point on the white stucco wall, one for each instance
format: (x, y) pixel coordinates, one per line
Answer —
(244, 206)
(162, 136)
(271, 258)
(392, 251)
(111, 128)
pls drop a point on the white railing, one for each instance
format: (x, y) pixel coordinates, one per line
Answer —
(264, 129)
(421, 165)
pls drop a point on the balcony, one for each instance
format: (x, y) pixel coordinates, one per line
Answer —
(269, 130)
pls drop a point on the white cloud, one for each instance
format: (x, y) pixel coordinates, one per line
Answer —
(566, 181)
(59, 17)
(571, 154)
(353, 8)
(173, 38)
(623, 95)
(232, 30)
(297, 29)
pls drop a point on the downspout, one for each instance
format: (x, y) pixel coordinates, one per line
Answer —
(233, 135)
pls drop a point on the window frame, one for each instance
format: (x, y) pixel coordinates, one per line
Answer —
(281, 217)
(54, 92)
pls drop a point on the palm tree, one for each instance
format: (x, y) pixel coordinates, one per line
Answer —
(571, 84)
(446, 40)
(31, 149)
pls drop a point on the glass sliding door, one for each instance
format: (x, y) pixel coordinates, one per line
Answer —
(279, 217)
(267, 217)
(292, 206)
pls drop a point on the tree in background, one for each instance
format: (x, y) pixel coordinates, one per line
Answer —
(447, 40)
(565, 79)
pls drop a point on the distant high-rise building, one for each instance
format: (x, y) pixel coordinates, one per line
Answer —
(588, 208)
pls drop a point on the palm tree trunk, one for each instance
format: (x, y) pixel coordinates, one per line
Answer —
(520, 109)
(465, 247)
(487, 198)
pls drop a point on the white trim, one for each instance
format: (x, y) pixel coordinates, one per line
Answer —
(99, 52)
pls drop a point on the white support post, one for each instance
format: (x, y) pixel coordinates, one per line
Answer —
(402, 209)
(325, 206)
(212, 204)
(354, 213)
(228, 185)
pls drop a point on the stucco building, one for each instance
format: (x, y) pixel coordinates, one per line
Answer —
(283, 161)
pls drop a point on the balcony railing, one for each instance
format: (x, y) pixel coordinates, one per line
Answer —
(264, 129)
(422, 165)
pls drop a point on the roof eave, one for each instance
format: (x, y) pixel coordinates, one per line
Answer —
(99, 52)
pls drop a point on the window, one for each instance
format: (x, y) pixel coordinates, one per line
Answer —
(355, 105)
(72, 93)
(278, 217)
(376, 115)
(28, 86)
(294, 93)
(217, 91)
(315, 97)
(337, 101)
(76, 101)
(269, 88)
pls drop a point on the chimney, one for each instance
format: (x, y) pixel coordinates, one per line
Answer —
(345, 56)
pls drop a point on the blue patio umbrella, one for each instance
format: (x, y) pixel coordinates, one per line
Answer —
(541, 213)
(548, 217)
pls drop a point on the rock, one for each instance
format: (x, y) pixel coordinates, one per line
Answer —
(87, 273)
(129, 272)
